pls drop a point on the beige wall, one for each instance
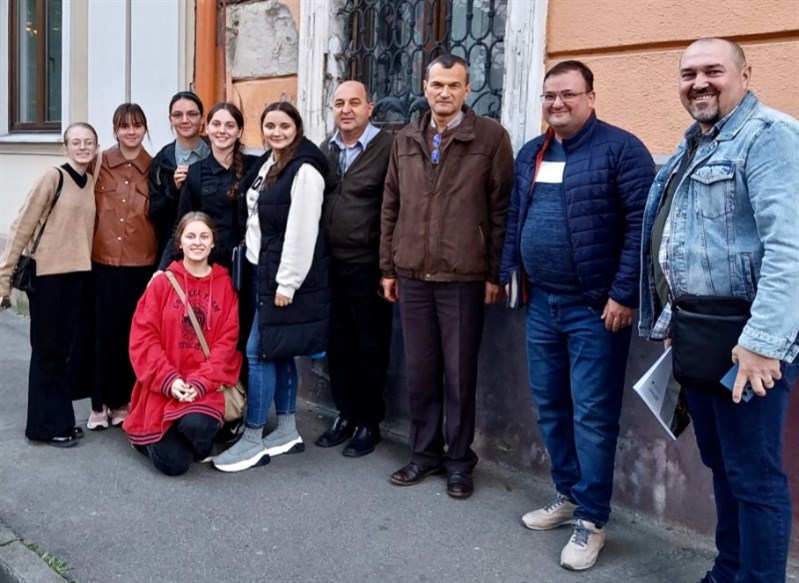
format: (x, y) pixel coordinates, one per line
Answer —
(634, 46)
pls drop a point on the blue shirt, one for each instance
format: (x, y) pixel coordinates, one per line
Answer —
(348, 155)
(545, 246)
(187, 156)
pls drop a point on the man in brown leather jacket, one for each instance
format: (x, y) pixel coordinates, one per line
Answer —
(443, 223)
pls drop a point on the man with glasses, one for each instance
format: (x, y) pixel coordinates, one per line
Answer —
(360, 322)
(443, 223)
(573, 245)
(722, 222)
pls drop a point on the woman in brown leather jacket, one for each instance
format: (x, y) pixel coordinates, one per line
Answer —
(123, 260)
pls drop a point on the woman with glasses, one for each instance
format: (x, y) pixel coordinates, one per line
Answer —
(171, 165)
(291, 292)
(59, 211)
(123, 261)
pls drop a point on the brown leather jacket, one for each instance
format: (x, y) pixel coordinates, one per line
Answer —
(446, 222)
(123, 235)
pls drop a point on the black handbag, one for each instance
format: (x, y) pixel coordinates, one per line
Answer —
(24, 276)
(237, 265)
(705, 329)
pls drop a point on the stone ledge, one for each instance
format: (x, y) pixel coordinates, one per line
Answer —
(19, 564)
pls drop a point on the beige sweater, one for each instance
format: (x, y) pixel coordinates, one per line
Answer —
(66, 244)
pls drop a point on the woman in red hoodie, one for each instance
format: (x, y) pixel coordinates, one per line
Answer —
(176, 406)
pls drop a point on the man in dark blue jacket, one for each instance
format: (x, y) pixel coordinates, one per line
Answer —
(573, 246)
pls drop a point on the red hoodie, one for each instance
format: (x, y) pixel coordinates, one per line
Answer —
(164, 347)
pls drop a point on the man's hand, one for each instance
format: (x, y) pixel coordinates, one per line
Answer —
(390, 289)
(493, 293)
(759, 371)
(616, 316)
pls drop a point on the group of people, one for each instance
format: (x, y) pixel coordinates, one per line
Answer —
(440, 219)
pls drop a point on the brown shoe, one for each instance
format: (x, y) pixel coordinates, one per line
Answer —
(460, 485)
(413, 473)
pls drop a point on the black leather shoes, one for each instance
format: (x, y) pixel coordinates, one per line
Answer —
(412, 474)
(339, 432)
(67, 439)
(77, 432)
(460, 485)
(363, 441)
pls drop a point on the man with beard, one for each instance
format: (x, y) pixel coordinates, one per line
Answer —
(722, 225)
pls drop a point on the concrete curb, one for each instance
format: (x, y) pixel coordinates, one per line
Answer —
(19, 564)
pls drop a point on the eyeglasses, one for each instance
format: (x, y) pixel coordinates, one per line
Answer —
(565, 96)
(435, 155)
(191, 115)
(79, 143)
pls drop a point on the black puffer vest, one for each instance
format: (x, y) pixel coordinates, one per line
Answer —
(300, 328)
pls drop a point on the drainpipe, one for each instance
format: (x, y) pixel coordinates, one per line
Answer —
(206, 53)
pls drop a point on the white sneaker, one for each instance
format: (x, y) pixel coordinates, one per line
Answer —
(583, 548)
(98, 419)
(276, 445)
(557, 512)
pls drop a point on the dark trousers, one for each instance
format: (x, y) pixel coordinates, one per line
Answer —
(190, 438)
(742, 445)
(360, 338)
(55, 320)
(116, 292)
(442, 324)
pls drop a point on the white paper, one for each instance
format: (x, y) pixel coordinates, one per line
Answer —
(658, 392)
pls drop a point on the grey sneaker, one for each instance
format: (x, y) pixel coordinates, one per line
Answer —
(247, 452)
(557, 512)
(279, 442)
(582, 550)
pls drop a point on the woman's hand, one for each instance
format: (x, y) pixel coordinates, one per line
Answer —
(180, 174)
(282, 301)
(182, 391)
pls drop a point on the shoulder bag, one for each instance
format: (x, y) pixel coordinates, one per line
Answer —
(705, 329)
(235, 395)
(24, 276)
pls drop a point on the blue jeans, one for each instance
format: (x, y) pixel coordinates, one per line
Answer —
(742, 445)
(269, 380)
(576, 370)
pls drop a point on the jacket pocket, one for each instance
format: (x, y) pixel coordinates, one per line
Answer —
(714, 190)
(749, 275)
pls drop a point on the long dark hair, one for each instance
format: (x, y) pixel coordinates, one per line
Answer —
(191, 96)
(238, 157)
(288, 154)
(131, 113)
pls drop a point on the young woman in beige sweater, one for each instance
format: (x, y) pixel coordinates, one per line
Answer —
(63, 262)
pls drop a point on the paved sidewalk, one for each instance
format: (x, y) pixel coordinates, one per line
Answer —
(310, 517)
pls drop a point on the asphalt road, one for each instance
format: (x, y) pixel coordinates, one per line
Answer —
(314, 516)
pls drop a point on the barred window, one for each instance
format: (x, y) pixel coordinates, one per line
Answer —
(393, 41)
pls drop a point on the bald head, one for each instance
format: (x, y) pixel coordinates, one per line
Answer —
(351, 110)
(714, 79)
(736, 53)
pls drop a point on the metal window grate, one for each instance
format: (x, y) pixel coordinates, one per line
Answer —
(392, 41)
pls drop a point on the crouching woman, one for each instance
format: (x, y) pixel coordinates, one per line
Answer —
(176, 405)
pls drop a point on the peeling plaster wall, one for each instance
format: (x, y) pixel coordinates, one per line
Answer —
(262, 40)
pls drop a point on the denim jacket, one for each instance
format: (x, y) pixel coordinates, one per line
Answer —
(734, 226)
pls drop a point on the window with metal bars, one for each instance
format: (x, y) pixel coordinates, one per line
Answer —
(392, 42)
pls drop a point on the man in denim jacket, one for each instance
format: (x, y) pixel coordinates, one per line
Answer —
(722, 219)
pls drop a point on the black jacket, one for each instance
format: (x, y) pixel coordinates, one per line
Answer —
(300, 328)
(205, 189)
(351, 215)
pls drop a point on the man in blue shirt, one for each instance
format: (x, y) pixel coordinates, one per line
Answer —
(722, 221)
(573, 244)
(360, 321)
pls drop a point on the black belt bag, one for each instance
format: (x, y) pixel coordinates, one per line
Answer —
(705, 329)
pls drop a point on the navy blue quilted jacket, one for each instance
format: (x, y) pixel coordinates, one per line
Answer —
(606, 180)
